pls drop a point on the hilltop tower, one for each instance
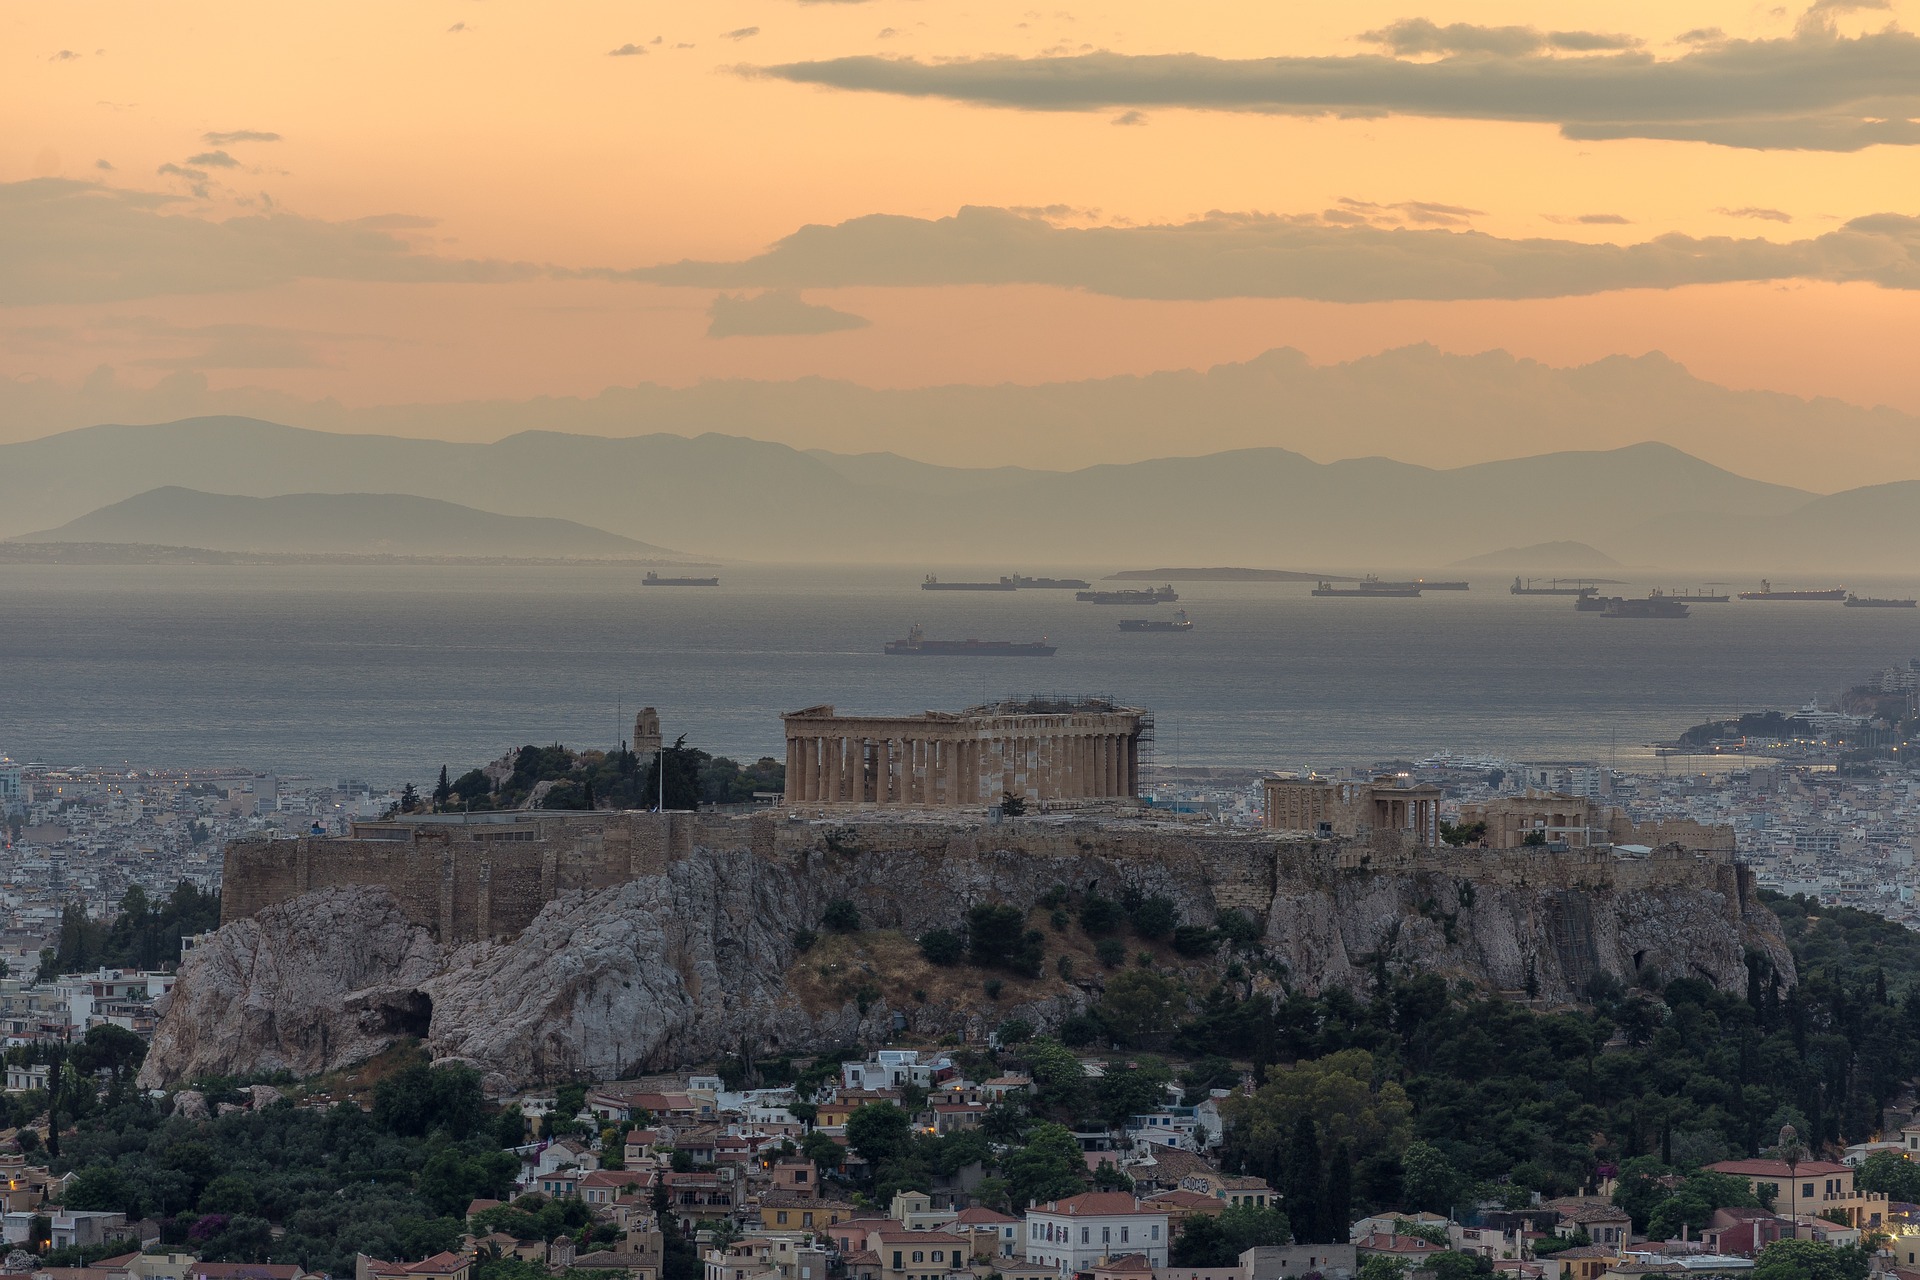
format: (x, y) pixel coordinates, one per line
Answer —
(646, 736)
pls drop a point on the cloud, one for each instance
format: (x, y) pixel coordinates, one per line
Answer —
(68, 241)
(1129, 118)
(238, 135)
(1754, 211)
(1813, 90)
(777, 312)
(1590, 219)
(214, 160)
(628, 50)
(65, 55)
(740, 33)
(1413, 36)
(1225, 255)
(103, 165)
(457, 28)
(1420, 212)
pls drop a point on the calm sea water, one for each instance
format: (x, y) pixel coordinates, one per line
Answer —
(386, 673)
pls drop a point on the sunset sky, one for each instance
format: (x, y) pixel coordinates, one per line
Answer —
(455, 199)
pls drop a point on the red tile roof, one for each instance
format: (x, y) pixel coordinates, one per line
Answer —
(1102, 1204)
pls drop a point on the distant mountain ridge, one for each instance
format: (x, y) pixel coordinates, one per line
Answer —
(1416, 403)
(1541, 555)
(334, 523)
(731, 496)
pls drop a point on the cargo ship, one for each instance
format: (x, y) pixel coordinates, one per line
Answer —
(1766, 592)
(917, 645)
(1370, 587)
(1876, 602)
(1700, 596)
(1424, 585)
(1654, 606)
(1554, 587)
(1047, 584)
(655, 580)
(1178, 622)
(934, 584)
(1143, 595)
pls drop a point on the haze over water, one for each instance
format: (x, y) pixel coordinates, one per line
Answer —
(385, 673)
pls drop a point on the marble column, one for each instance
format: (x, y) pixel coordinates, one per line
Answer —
(1133, 765)
(793, 771)
(836, 748)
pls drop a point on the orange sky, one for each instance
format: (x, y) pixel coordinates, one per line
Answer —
(509, 126)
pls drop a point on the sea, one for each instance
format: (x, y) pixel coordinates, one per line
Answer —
(387, 672)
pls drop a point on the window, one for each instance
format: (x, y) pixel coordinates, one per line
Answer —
(1806, 1190)
(1156, 1233)
(1106, 1235)
(918, 1256)
(780, 1218)
(1086, 1235)
(806, 1219)
(1123, 1235)
(939, 1255)
(896, 1259)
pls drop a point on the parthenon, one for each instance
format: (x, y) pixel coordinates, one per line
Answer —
(1041, 750)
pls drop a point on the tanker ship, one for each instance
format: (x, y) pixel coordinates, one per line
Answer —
(1766, 592)
(916, 645)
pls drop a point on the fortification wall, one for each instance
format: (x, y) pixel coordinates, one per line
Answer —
(477, 883)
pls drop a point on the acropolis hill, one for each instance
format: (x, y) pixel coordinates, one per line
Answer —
(541, 946)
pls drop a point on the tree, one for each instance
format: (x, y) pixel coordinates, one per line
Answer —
(879, 1131)
(1301, 1187)
(997, 938)
(1106, 1177)
(1139, 1005)
(822, 1150)
(1810, 1260)
(1338, 1091)
(442, 790)
(1210, 1240)
(409, 799)
(1891, 1174)
(1336, 1209)
(1429, 1179)
(1155, 917)
(841, 916)
(942, 947)
(1048, 1167)
(1453, 1265)
(1098, 915)
(1130, 1089)
(681, 764)
(1380, 1266)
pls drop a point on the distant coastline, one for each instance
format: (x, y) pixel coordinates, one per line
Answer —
(133, 553)
(1222, 575)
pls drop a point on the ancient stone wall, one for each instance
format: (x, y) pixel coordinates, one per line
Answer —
(487, 883)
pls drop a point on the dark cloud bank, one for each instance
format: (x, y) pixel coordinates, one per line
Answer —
(63, 242)
(1813, 90)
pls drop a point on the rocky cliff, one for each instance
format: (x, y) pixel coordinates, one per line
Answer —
(697, 958)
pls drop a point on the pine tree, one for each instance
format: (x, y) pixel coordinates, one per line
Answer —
(1336, 1209)
(589, 794)
(1303, 1186)
(443, 790)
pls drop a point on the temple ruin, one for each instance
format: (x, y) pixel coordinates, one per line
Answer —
(1045, 751)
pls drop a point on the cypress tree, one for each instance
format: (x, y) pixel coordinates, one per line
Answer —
(1336, 1207)
(1303, 1189)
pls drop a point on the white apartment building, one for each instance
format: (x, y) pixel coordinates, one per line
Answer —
(1074, 1234)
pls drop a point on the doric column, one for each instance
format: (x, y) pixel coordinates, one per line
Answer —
(830, 787)
(1133, 764)
(793, 771)
(916, 770)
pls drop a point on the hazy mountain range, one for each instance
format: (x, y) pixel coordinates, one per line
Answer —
(336, 524)
(1417, 404)
(1647, 504)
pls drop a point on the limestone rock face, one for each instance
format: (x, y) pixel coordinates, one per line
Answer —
(306, 985)
(696, 960)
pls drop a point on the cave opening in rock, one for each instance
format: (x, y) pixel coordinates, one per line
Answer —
(408, 1013)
